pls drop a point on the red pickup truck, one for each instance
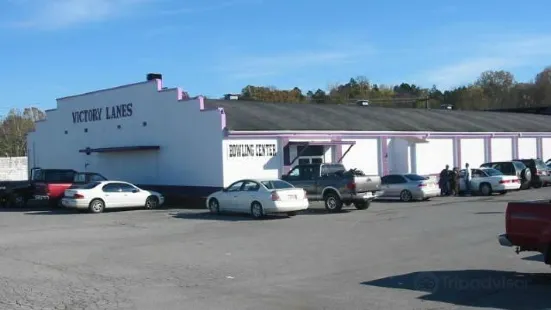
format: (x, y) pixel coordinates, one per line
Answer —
(528, 227)
(44, 184)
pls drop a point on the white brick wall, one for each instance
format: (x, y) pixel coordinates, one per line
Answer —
(13, 168)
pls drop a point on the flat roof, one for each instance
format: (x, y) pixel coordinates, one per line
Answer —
(263, 116)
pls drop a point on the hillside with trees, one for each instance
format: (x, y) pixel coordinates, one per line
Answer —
(492, 90)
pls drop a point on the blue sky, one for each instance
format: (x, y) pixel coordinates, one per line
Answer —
(55, 48)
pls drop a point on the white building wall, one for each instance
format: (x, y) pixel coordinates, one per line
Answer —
(14, 168)
(190, 140)
(399, 155)
(546, 148)
(502, 149)
(364, 155)
(251, 158)
(432, 157)
(473, 152)
(527, 148)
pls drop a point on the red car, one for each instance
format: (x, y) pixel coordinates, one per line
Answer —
(528, 227)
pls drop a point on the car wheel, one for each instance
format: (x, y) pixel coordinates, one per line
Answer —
(256, 210)
(333, 202)
(485, 189)
(96, 206)
(292, 213)
(406, 196)
(151, 202)
(538, 184)
(362, 205)
(17, 201)
(214, 206)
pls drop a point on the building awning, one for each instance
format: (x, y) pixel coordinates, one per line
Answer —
(322, 143)
(120, 149)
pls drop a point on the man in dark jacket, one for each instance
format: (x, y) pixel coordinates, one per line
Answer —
(455, 181)
(444, 181)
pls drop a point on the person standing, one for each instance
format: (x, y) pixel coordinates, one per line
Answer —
(456, 180)
(444, 181)
(467, 180)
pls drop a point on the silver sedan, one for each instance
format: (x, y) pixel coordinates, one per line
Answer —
(407, 187)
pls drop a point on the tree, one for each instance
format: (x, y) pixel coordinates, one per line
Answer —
(491, 90)
(14, 128)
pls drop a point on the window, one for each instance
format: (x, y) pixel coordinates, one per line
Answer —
(111, 188)
(235, 187)
(415, 177)
(53, 176)
(477, 173)
(492, 172)
(518, 165)
(394, 179)
(251, 186)
(90, 185)
(97, 177)
(127, 188)
(540, 164)
(295, 173)
(277, 184)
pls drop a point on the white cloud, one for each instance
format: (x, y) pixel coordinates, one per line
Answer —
(54, 14)
(283, 63)
(507, 54)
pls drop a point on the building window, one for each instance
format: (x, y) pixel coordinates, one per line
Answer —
(85, 129)
(144, 124)
(66, 132)
(118, 126)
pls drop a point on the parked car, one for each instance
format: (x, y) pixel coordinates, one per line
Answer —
(97, 196)
(258, 197)
(335, 185)
(407, 187)
(44, 184)
(541, 175)
(513, 168)
(527, 226)
(486, 181)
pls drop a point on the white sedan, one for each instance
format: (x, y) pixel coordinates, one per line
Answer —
(97, 196)
(488, 180)
(258, 197)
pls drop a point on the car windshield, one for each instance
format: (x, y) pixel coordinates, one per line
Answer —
(277, 184)
(415, 177)
(492, 172)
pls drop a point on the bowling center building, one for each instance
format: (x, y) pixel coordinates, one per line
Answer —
(161, 138)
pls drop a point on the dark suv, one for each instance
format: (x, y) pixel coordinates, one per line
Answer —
(515, 168)
(541, 176)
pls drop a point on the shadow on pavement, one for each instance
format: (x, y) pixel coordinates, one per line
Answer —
(322, 211)
(481, 213)
(534, 258)
(476, 288)
(229, 217)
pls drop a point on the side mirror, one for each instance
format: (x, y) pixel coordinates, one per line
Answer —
(224, 189)
(135, 190)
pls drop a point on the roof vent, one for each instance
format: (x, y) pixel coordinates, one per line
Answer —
(154, 76)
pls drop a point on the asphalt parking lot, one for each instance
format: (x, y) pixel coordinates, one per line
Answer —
(441, 254)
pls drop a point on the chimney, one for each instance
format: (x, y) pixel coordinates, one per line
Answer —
(154, 76)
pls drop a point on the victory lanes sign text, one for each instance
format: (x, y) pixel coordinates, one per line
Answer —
(251, 150)
(98, 114)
